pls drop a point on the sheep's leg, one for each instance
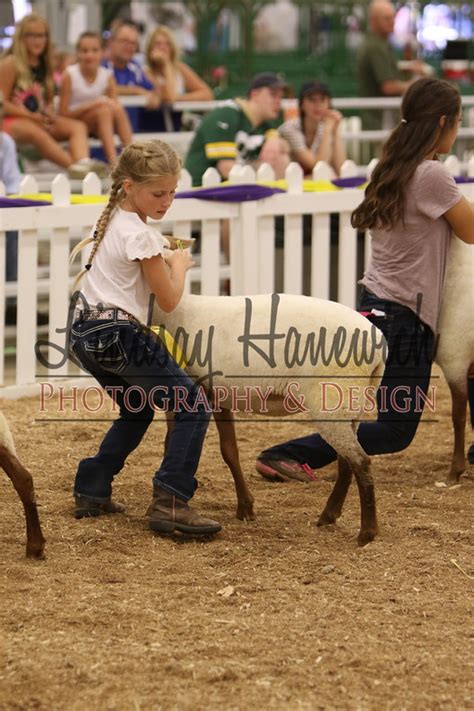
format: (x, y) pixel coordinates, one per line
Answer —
(230, 454)
(23, 483)
(335, 502)
(458, 414)
(368, 513)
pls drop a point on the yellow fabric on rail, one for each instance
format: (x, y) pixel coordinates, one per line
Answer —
(75, 199)
(309, 186)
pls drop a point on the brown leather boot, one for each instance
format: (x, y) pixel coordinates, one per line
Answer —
(86, 507)
(168, 513)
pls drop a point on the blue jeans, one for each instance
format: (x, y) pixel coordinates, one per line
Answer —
(128, 357)
(410, 356)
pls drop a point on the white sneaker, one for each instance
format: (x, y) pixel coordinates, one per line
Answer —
(79, 170)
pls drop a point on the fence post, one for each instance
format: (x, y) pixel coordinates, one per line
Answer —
(61, 191)
(322, 171)
(210, 242)
(371, 167)
(28, 185)
(27, 304)
(91, 185)
(349, 169)
(265, 239)
(293, 238)
(244, 264)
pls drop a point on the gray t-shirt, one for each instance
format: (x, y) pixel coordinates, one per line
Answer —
(408, 262)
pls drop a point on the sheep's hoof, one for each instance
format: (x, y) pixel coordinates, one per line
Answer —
(327, 518)
(35, 552)
(245, 511)
(366, 536)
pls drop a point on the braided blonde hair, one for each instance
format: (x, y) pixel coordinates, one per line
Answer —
(141, 162)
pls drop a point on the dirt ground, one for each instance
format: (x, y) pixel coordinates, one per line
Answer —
(274, 614)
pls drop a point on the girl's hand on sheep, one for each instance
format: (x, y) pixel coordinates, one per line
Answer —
(180, 259)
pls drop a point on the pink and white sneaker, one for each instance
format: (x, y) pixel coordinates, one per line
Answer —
(284, 470)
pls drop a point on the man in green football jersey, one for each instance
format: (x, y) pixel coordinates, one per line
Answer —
(242, 131)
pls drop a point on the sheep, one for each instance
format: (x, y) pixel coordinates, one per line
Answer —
(23, 483)
(265, 349)
(455, 350)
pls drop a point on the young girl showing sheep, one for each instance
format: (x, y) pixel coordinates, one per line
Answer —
(109, 340)
(411, 206)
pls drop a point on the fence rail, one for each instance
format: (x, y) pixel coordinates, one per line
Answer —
(317, 254)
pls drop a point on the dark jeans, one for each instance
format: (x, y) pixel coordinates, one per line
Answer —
(123, 355)
(410, 355)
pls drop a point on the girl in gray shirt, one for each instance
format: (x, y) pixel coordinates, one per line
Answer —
(410, 207)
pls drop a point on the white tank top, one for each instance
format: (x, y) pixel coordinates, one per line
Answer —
(82, 90)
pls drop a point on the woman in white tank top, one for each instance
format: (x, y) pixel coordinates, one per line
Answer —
(89, 93)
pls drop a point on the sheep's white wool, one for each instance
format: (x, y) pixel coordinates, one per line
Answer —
(255, 340)
(455, 354)
(6, 438)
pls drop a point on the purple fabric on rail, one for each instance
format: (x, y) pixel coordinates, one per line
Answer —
(463, 179)
(349, 182)
(231, 193)
(21, 202)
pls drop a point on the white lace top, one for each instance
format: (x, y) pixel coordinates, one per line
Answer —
(82, 90)
(116, 277)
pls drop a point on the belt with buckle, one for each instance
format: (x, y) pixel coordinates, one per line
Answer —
(110, 314)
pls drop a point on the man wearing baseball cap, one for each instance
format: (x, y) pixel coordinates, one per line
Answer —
(241, 131)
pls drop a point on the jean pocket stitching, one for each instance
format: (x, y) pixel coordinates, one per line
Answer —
(98, 349)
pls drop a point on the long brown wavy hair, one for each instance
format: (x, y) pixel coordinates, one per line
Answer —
(418, 133)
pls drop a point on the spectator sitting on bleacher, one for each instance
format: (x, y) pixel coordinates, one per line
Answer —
(242, 131)
(173, 79)
(129, 75)
(89, 93)
(26, 82)
(314, 135)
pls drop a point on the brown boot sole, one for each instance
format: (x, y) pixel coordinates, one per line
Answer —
(86, 508)
(171, 526)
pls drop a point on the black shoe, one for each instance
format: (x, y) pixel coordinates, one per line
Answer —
(90, 507)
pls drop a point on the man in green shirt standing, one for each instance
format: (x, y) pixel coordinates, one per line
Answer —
(242, 131)
(377, 70)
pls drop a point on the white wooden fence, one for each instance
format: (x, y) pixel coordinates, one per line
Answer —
(253, 254)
